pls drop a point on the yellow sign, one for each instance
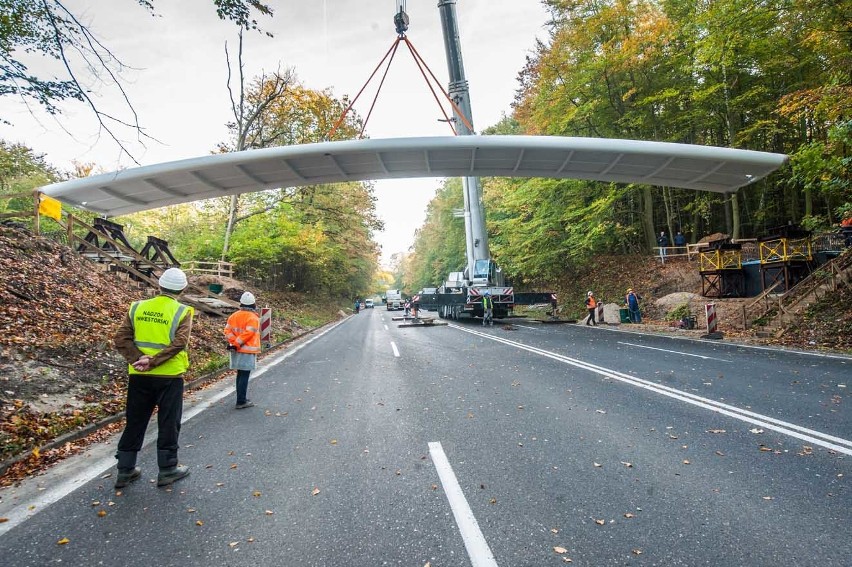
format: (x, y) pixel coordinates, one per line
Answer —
(50, 207)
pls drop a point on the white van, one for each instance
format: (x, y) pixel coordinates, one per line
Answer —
(368, 304)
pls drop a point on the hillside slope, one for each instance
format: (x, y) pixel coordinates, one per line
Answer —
(58, 312)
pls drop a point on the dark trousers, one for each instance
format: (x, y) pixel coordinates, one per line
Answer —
(144, 393)
(242, 385)
(591, 319)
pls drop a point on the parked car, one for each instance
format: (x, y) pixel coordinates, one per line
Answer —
(368, 304)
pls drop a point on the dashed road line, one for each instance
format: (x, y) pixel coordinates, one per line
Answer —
(395, 350)
(675, 352)
(477, 548)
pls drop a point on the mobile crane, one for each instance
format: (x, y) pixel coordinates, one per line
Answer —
(461, 293)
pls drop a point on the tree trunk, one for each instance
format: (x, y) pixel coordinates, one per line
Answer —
(729, 228)
(735, 216)
(232, 219)
(648, 217)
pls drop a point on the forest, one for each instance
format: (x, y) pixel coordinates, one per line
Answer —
(768, 75)
(771, 75)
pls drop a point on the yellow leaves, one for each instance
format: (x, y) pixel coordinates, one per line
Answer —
(315, 491)
(199, 523)
(36, 453)
(63, 541)
(333, 442)
(256, 493)
(600, 522)
(101, 513)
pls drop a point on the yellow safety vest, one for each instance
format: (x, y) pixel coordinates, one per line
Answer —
(155, 322)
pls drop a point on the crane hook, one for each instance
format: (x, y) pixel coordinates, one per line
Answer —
(400, 19)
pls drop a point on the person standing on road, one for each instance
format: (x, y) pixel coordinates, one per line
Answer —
(632, 300)
(591, 305)
(663, 243)
(487, 310)
(242, 332)
(154, 340)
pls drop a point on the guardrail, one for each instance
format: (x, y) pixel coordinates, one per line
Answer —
(224, 269)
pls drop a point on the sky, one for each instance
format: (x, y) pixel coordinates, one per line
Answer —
(176, 75)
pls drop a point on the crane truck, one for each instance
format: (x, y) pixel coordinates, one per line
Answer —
(461, 293)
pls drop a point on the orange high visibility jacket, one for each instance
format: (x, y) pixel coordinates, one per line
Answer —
(243, 331)
(591, 302)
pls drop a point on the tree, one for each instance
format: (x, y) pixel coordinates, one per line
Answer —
(47, 29)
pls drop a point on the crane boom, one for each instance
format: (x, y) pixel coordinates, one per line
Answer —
(480, 270)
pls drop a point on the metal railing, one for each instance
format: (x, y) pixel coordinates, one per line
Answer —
(219, 268)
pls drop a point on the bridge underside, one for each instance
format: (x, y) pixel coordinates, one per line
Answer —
(687, 166)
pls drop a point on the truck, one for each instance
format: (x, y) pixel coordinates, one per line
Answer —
(461, 293)
(393, 300)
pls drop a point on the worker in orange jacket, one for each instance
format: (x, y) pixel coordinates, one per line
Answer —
(591, 305)
(242, 332)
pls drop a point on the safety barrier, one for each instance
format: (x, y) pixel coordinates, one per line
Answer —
(712, 320)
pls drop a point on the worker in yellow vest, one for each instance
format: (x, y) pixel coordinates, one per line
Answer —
(154, 340)
(242, 331)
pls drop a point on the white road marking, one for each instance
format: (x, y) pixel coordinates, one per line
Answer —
(395, 350)
(805, 434)
(386, 327)
(68, 476)
(675, 352)
(525, 327)
(477, 548)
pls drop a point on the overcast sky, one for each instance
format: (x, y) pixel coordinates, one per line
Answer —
(177, 80)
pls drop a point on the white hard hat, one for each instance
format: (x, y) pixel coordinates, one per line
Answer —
(173, 279)
(247, 298)
(590, 293)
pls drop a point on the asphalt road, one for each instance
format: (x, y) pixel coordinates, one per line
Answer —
(456, 445)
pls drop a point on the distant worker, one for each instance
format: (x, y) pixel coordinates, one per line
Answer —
(846, 229)
(487, 310)
(591, 305)
(632, 300)
(663, 243)
(680, 243)
(154, 339)
(357, 307)
(242, 331)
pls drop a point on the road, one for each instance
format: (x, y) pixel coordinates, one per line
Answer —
(456, 445)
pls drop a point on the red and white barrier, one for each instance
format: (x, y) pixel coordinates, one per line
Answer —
(266, 326)
(712, 320)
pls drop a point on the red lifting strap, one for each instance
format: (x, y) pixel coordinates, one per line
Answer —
(423, 67)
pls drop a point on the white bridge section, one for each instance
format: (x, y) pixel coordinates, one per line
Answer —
(704, 168)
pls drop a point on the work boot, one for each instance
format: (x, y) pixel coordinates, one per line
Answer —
(245, 404)
(125, 477)
(127, 469)
(172, 474)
